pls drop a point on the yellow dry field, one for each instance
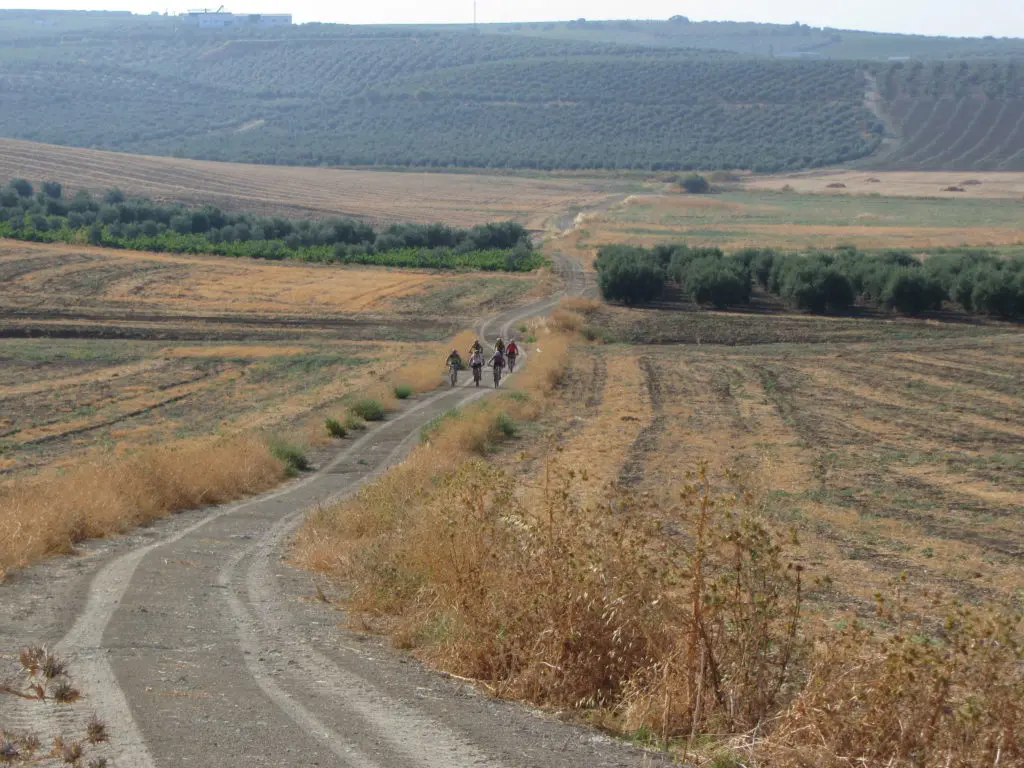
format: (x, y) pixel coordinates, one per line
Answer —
(107, 349)
(140, 281)
(886, 454)
(377, 196)
(989, 185)
(762, 219)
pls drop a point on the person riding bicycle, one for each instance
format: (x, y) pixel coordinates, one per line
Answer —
(497, 360)
(454, 357)
(499, 346)
(512, 350)
(476, 360)
(477, 347)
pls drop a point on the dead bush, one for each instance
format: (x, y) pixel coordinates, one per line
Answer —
(909, 697)
(48, 513)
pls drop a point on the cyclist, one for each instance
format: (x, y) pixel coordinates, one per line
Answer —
(477, 347)
(497, 362)
(454, 365)
(511, 353)
(499, 346)
(476, 362)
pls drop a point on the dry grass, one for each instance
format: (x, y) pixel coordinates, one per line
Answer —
(379, 196)
(53, 274)
(48, 513)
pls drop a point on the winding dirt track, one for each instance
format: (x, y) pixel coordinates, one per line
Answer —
(199, 646)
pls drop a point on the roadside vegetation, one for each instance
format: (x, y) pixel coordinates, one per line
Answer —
(973, 280)
(114, 221)
(49, 513)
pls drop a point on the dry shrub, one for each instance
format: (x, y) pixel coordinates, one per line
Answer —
(566, 320)
(581, 608)
(428, 371)
(46, 680)
(581, 304)
(910, 698)
(46, 514)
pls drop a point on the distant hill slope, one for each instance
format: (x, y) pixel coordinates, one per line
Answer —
(768, 39)
(436, 97)
(954, 116)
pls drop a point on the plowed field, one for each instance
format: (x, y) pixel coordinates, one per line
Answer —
(871, 458)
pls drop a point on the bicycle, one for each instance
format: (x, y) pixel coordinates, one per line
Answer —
(477, 374)
(453, 373)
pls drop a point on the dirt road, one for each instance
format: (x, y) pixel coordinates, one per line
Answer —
(198, 645)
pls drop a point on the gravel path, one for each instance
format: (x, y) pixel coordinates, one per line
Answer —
(199, 646)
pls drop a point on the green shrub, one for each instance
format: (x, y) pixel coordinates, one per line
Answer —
(335, 428)
(368, 409)
(999, 293)
(911, 291)
(695, 184)
(294, 458)
(402, 391)
(817, 288)
(353, 423)
(629, 275)
(506, 425)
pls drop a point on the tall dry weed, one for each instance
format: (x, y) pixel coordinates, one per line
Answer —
(909, 697)
(48, 513)
(596, 608)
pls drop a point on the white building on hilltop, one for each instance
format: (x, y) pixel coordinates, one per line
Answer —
(207, 19)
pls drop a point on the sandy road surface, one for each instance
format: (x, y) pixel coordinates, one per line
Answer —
(199, 646)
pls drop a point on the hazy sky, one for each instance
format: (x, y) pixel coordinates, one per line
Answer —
(933, 17)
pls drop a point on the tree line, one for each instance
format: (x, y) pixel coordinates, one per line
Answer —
(819, 282)
(115, 220)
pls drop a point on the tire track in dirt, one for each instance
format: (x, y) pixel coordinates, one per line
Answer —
(632, 472)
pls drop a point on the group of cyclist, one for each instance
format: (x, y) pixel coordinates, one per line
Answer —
(504, 355)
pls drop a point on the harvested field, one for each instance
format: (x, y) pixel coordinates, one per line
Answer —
(875, 451)
(376, 196)
(116, 349)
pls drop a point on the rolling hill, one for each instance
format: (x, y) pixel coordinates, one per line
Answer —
(955, 116)
(506, 97)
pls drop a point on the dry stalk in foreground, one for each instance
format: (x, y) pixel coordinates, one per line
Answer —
(48, 513)
(47, 680)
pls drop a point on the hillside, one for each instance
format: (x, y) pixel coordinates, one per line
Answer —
(954, 116)
(445, 97)
(767, 39)
(332, 95)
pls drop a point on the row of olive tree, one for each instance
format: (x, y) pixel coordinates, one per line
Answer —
(23, 207)
(819, 282)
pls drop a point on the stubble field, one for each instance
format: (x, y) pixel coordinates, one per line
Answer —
(895, 451)
(117, 349)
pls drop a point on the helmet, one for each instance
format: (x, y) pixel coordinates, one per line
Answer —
(499, 338)
(455, 351)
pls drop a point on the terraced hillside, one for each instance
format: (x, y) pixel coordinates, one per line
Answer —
(955, 116)
(333, 95)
